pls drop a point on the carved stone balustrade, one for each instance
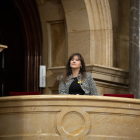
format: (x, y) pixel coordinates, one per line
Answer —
(65, 117)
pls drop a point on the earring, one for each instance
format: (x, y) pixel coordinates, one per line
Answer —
(81, 66)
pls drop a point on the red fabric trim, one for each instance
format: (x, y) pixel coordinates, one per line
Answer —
(120, 95)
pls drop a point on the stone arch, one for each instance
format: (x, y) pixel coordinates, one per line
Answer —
(89, 28)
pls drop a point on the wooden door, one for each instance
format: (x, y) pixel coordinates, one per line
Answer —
(11, 59)
(20, 30)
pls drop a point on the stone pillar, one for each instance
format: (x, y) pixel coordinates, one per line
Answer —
(134, 49)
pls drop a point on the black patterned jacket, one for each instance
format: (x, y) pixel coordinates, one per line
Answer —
(88, 85)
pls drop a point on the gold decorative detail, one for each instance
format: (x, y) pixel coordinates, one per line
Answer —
(79, 82)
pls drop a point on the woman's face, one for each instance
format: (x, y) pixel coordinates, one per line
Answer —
(75, 63)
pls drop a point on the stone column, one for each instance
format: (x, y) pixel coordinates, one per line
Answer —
(134, 49)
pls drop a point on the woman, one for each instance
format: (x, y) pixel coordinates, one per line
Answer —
(76, 81)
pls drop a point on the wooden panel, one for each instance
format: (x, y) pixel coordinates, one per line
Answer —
(58, 44)
(32, 33)
(12, 58)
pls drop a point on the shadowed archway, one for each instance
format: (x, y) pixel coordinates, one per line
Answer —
(31, 26)
(20, 30)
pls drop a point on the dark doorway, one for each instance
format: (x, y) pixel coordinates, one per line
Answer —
(11, 59)
(20, 30)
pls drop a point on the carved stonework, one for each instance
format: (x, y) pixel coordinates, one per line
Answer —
(72, 122)
(69, 117)
(2, 47)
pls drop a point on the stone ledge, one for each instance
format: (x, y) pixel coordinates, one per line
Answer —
(69, 117)
(101, 73)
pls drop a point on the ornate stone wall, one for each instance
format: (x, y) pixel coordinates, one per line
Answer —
(120, 14)
(88, 28)
(48, 117)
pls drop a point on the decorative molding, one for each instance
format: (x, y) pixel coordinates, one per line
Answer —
(112, 86)
(101, 73)
(99, 14)
(49, 38)
(79, 117)
(43, 100)
(100, 23)
(80, 126)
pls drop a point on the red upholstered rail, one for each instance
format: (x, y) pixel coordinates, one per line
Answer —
(120, 95)
(23, 93)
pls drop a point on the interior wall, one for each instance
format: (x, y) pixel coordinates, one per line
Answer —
(123, 32)
(58, 44)
(120, 13)
(54, 37)
(77, 27)
(89, 29)
(51, 14)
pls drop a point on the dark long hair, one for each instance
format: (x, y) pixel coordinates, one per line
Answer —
(68, 71)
